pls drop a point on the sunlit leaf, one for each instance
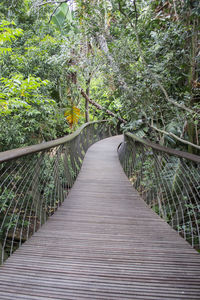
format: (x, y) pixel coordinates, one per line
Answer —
(72, 115)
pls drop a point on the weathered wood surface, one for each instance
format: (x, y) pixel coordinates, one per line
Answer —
(104, 243)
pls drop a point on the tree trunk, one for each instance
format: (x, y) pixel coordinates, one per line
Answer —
(193, 76)
(87, 119)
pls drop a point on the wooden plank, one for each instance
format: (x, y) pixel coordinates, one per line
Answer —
(103, 243)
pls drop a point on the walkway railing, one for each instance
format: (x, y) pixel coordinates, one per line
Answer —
(169, 182)
(34, 181)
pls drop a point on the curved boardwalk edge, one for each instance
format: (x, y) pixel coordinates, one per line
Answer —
(103, 243)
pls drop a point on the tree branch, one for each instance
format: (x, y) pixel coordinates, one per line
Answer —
(51, 2)
(175, 10)
(54, 11)
(161, 8)
(97, 105)
(136, 14)
(175, 136)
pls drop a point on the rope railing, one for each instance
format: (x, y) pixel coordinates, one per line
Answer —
(35, 180)
(169, 182)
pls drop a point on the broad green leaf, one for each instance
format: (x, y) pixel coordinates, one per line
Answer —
(62, 16)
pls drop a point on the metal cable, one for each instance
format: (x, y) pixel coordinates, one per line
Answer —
(168, 181)
(34, 181)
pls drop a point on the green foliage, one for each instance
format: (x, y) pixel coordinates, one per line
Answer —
(27, 82)
(26, 116)
(63, 18)
(159, 42)
(17, 91)
(7, 35)
(97, 46)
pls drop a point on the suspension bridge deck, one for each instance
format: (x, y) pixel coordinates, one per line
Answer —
(103, 243)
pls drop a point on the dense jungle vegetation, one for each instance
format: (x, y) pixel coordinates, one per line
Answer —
(63, 63)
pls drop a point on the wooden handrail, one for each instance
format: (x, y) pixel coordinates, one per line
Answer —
(178, 153)
(19, 152)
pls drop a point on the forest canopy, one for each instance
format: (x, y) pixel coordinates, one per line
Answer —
(63, 63)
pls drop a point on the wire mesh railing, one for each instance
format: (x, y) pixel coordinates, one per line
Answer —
(169, 182)
(34, 181)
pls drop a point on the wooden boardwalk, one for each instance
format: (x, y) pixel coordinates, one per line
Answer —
(103, 243)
